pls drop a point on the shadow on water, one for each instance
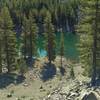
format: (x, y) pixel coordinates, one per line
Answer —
(10, 78)
(48, 72)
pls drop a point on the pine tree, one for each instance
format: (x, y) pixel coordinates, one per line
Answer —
(88, 26)
(50, 38)
(96, 43)
(29, 36)
(9, 38)
(32, 35)
(63, 11)
(25, 36)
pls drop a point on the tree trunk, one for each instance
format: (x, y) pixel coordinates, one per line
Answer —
(25, 46)
(61, 61)
(49, 55)
(31, 49)
(67, 25)
(49, 51)
(93, 81)
(0, 58)
(7, 53)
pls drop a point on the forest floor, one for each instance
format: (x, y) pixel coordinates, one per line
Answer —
(37, 87)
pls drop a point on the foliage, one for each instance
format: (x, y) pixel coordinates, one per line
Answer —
(8, 38)
(50, 38)
(88, 28)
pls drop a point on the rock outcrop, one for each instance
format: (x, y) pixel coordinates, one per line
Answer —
(74, 91)
(92, 95)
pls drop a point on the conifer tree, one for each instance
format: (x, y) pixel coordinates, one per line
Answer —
(50, 38)
(88, 26)
(32, 35)
(30, 31)
(25, 29)
(96, 43)
(9, 38)
(59, 9)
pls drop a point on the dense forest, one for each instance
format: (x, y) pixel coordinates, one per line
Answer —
(29, 19)
(64, 13)
(22, 22)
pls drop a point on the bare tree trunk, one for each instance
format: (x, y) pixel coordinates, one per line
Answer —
(93, 81)
(49, 53)
(61, 61)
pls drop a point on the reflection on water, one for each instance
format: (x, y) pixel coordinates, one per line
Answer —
(70, 49)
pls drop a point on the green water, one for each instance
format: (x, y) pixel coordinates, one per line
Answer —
(70, 41)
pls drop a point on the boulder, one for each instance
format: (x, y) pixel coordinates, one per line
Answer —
(73, 94)
(90, 96)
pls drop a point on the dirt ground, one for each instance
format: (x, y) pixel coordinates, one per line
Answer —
(33, 88)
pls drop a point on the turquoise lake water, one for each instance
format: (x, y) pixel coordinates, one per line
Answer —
(70, 48)
(70, 41)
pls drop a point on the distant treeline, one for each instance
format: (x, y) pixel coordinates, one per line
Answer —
(64, 12)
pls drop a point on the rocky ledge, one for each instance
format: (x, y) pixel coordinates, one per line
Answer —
(75, 91)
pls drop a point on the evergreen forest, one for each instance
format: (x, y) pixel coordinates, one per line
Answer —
(51, 48)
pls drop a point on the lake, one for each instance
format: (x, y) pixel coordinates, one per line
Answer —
(70, 41)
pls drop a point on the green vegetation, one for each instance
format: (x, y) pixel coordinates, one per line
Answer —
(29, 35)
(50, 38)
(89, 37)
(8, 39)
(22, 22)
